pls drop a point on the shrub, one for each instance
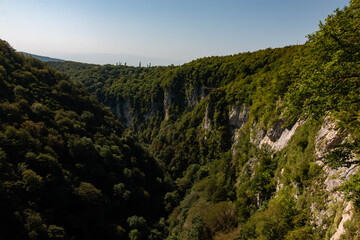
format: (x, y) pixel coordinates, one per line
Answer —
(89, 194)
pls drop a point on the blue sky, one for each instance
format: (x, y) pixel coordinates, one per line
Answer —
(157, 31)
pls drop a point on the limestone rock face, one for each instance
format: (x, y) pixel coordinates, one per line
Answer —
(194, 95)
(167, 102)
(336, 204)
(346, 216)
(276, 137)
(123, 112)
(238, 116)
(327, 137)
(207, 124)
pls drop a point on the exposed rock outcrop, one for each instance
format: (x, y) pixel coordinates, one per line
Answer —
(276, 137)
(346, 216)
(326, 138)
(167, 102)
(238, 116)
(207, 124)
(194, 95)
(123, 112)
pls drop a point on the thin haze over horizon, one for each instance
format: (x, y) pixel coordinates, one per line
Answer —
(162, 32)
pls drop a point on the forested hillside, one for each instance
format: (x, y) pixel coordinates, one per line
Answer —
(260, 145)
(69, 169)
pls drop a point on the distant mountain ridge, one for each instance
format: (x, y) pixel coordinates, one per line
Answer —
(103, 59)
(43, 58)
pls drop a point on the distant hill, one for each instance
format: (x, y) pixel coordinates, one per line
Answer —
(43, 58)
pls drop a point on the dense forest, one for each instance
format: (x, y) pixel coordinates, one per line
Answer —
(256, 145)
(69, 168)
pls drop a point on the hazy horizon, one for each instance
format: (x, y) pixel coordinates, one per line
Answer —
(161, 32)
(106, 58)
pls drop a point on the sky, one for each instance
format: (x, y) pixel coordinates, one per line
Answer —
(162, 32)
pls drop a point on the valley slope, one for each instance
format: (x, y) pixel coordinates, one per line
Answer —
(69, 169)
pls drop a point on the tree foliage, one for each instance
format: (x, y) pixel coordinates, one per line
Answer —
(61, 154)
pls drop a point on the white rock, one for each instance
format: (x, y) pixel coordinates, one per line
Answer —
(346, 215)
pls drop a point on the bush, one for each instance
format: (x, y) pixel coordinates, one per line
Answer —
(41, 111)
(89, 194)
(31, 181)
(35, 225)
(136, 222)
(56, 232)
(220, 217)
(134, 234)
